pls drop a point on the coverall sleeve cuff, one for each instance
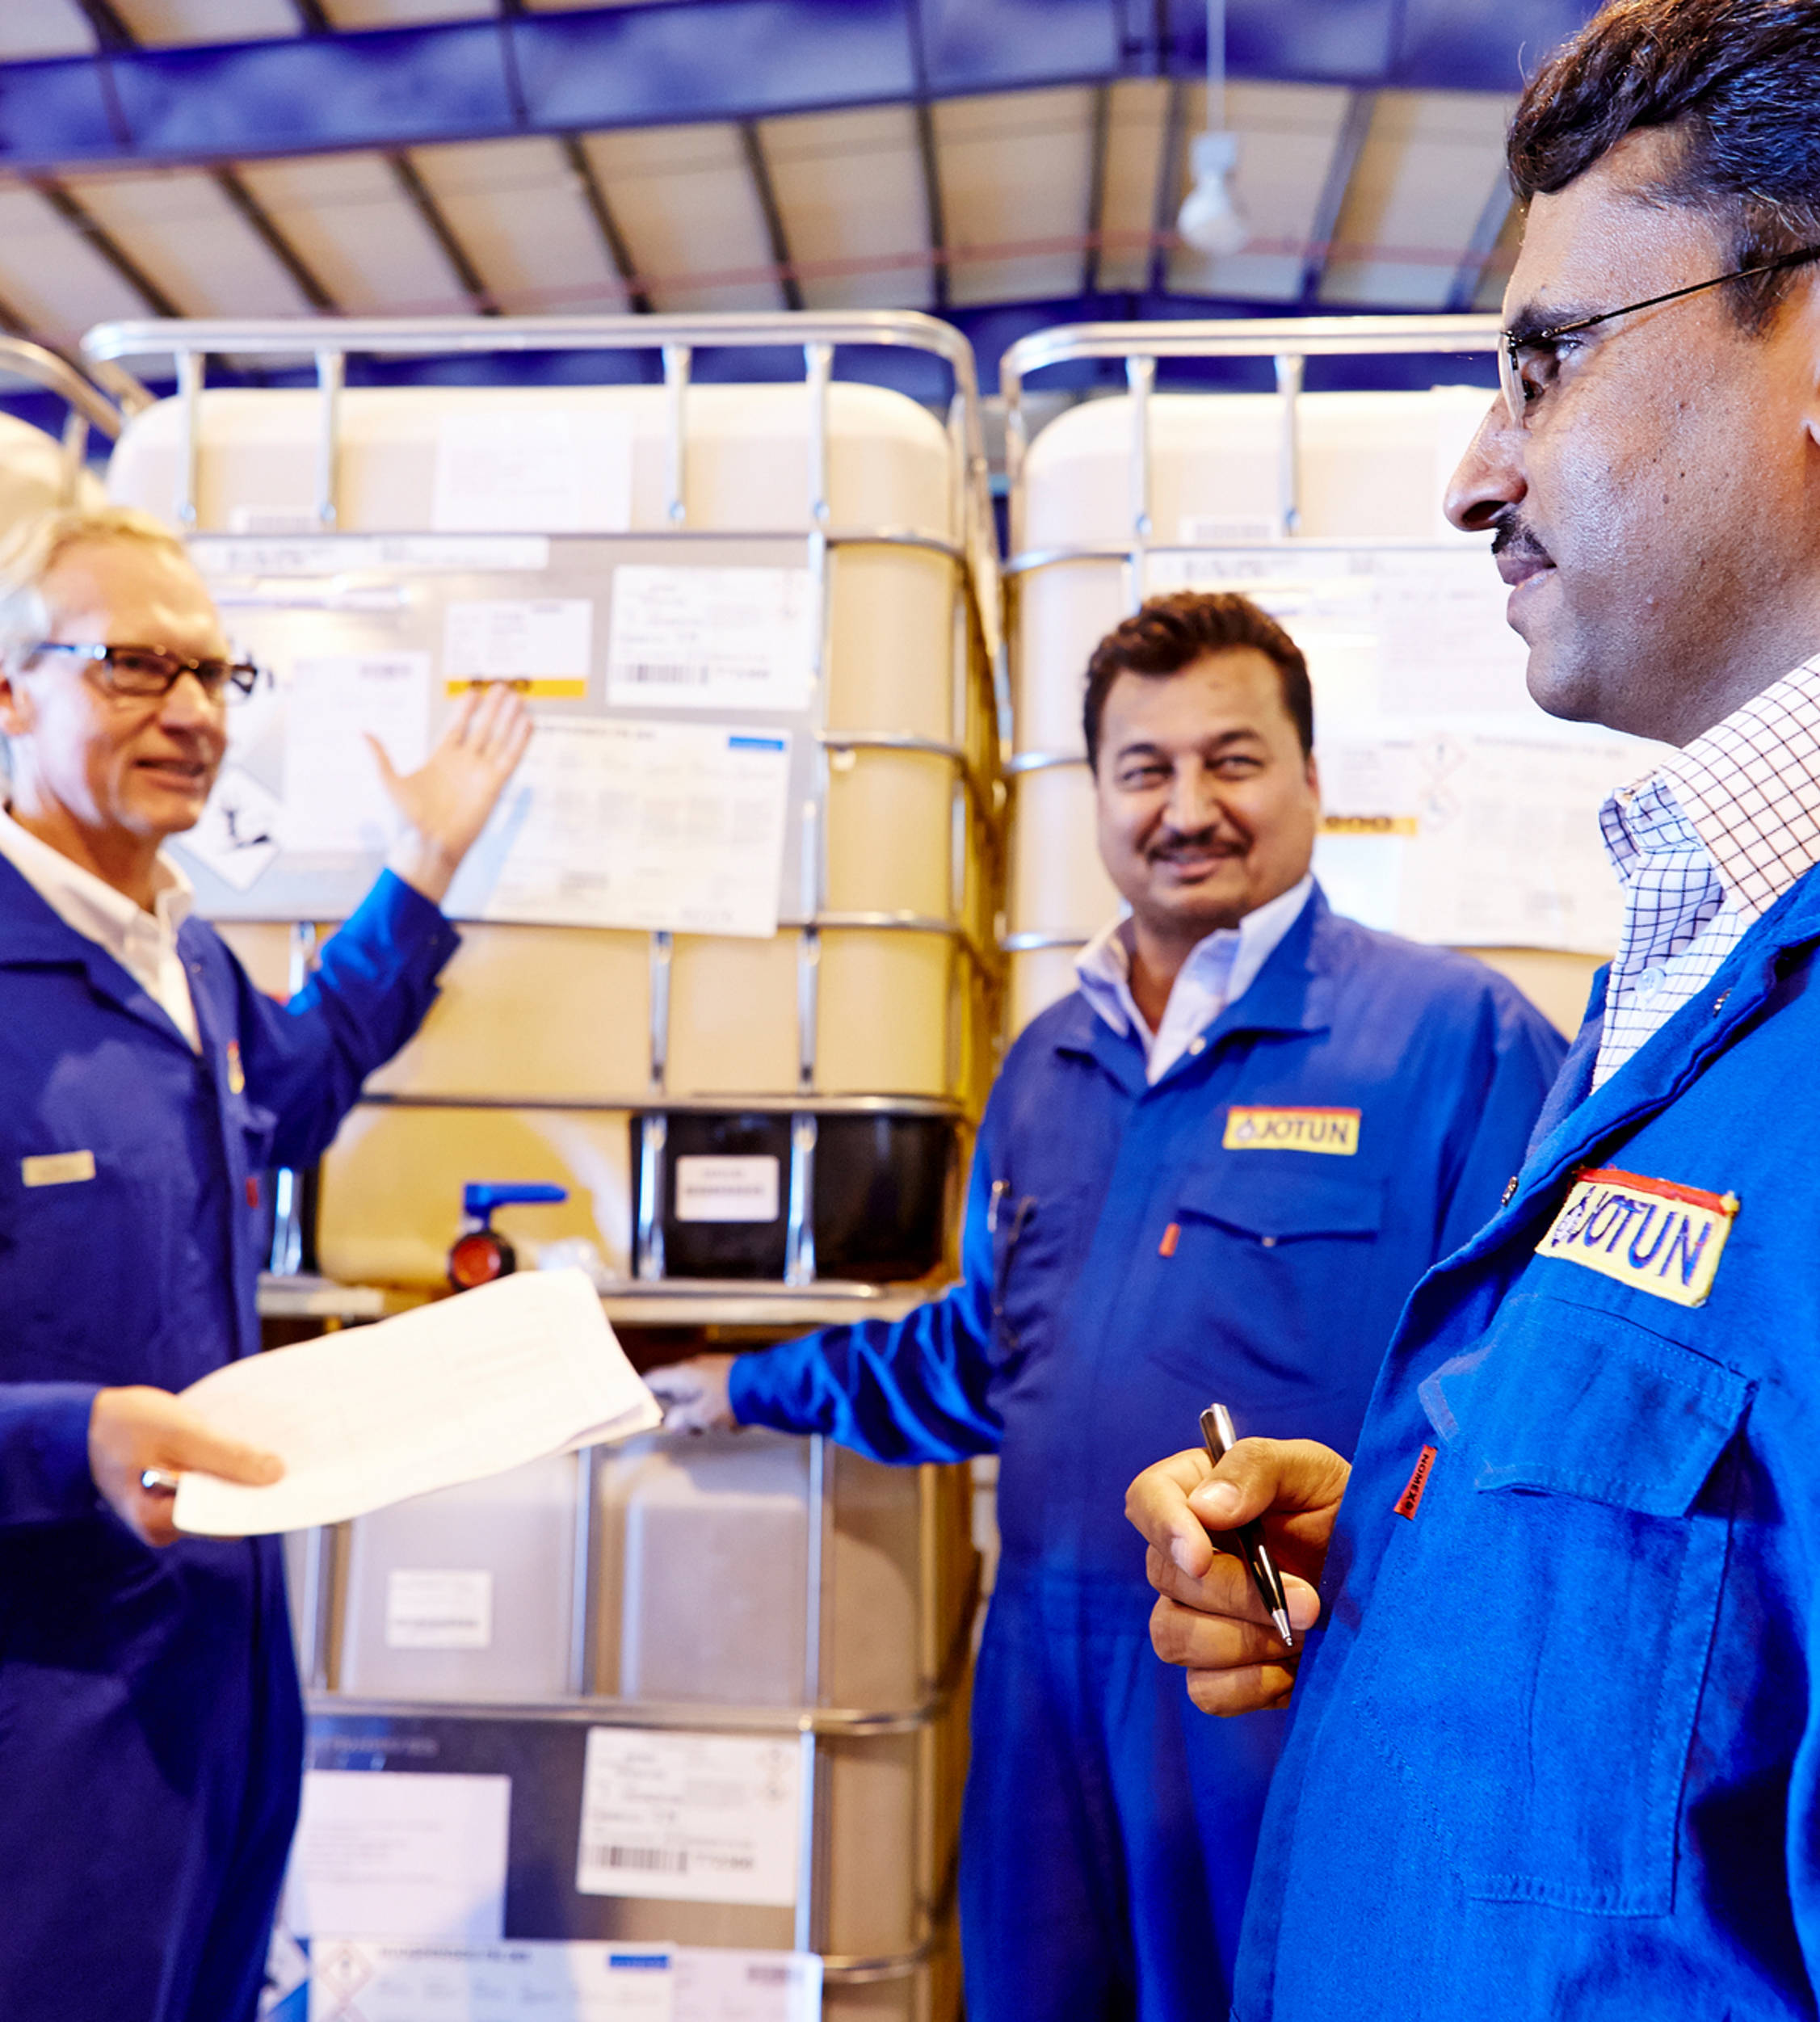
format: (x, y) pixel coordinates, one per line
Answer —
(410, 921)
(45, 1474)
(753, 1390)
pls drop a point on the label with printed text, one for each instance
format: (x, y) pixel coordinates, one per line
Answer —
(1651, 1234)
(1329, 1130)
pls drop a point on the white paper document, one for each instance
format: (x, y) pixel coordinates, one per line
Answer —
(335, 802)
(462, 1388)
(1472, 838)
(688, 638)
(689, 1816)
(361, 1980)
(410, 1855)
(535, 639)
(713, 1986)
(552, 470)
(619, 823)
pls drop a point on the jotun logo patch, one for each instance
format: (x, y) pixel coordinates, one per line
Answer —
(1330, 1130)
(1651, 1234)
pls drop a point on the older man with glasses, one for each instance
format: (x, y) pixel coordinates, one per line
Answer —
(1555, 1751)
(150, 1728)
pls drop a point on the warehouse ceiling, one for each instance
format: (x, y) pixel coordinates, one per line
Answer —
(235, 158)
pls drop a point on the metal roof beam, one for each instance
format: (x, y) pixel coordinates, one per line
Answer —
(618, 250)
(416, 193)
(1349, 144)
(80, 219)
(287, 255)
(762, 188)
(660, 63)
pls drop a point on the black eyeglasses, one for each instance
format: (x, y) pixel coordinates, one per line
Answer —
(1526, 365)
(144, 672)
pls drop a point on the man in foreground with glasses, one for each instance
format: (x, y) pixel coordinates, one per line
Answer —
(150, 1729)
(1555, 1749)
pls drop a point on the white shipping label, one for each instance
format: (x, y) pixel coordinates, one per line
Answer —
(713, 1189)
(542, 471)
(518, 639)
(616, 823)
(400, 1854)
(344, 554)
(717, 1985)
(334, 801)
(428, 1608)
(355, 1980)
(689, 1818)
(684, 638)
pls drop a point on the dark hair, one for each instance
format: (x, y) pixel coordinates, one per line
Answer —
(1170, 633)
(1739, 83)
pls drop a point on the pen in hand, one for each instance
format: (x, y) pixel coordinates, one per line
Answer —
(1216, 1430)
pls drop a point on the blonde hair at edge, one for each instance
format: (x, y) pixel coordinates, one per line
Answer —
(31, 549)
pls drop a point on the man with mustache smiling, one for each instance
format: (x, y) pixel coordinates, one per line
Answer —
(150, 1726)
(1555, 1750)
(1214, 1170)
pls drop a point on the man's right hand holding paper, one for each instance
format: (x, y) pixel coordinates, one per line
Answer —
(1209, 1619)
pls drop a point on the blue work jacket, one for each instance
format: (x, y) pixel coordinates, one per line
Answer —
(149, 1723)
(1131, 1252)
(1558, 1750)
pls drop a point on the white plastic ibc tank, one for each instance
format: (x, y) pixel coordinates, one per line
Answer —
(712, 1546)
(467, 1594)
(705, 1558)
(556, 1013)
(1369, 466)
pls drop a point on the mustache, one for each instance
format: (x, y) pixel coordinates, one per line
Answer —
(1515, 537)
(1174, 843)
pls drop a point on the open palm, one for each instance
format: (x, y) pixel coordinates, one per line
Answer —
(447, 800)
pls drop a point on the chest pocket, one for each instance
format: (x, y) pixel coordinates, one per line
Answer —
(1540, 1628)
(1273, 1198)
(1264, 1288)
(84, 1268)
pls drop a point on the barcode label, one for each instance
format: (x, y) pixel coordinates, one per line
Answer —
(679, 674)
(650, 1860)
(700, 1818)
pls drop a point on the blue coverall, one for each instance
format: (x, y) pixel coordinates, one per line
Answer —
(151, 1727)
(1558, 1753)
(1122, 1269)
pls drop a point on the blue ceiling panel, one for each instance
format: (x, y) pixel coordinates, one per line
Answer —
(632, 66)
(658, 62)
(314, 91)
(48, 111)
(992, 45)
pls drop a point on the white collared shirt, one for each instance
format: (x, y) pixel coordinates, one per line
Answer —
(144, 944)
(1218, 972)
(1704, 847)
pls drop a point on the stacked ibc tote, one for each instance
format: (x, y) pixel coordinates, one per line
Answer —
(767, 1618)
(1325, 505)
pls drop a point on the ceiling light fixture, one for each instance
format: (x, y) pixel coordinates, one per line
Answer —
(1211, 219)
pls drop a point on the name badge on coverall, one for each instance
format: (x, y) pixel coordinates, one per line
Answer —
(1651, 1234)
(1335, 1131)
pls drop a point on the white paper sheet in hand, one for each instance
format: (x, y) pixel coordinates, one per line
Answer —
(466, 1387)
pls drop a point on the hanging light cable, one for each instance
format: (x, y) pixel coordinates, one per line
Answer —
(1211, 220)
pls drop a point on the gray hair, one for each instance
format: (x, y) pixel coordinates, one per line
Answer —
(31, 550)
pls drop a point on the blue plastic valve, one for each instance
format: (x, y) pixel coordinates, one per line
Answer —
(479, 1198)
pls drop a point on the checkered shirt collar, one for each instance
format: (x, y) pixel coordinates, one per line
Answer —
(1749, 791)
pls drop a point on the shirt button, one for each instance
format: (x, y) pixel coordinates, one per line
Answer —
(1197, 1045)
(1650, 983)
(1270, 1243)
